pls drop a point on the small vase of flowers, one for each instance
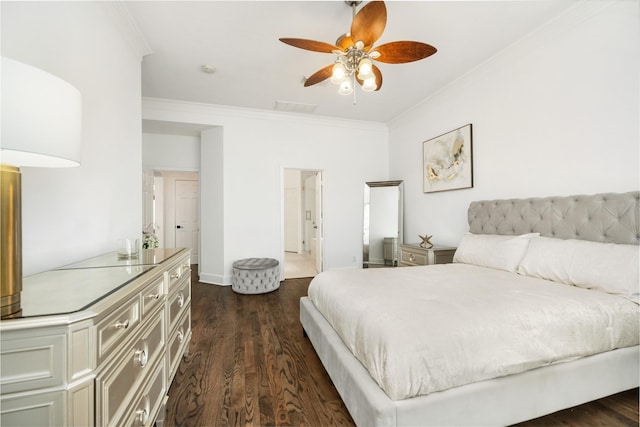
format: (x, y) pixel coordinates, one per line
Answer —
(149, 238)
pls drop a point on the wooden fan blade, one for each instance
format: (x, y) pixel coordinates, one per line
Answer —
(369, 23)
(377, 73)
(310, 45)
(404, 51)
(319, 76)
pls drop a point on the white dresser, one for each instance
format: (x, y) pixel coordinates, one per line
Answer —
(98, 342)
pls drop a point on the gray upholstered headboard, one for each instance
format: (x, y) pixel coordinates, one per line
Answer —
(607, 217)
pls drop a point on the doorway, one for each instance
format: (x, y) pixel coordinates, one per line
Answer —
(171, 208)
(302, 223)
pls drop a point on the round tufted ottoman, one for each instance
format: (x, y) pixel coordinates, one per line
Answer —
(255, 275)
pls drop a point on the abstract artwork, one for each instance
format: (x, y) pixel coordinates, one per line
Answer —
(447, 162)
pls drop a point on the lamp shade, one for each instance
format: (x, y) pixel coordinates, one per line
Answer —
(41, 118)
(345, 87)
(338, 73)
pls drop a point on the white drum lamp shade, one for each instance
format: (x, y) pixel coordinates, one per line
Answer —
(40, 126)
(41, 118)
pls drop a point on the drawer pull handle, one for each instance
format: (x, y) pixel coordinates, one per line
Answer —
(143, 416)
(175, 276)
(412, 258)
(180, 300)
(180, 336)
(153, 296)
(141, 358)
(122, 325)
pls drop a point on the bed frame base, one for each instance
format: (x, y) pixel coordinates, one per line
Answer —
(500, 401)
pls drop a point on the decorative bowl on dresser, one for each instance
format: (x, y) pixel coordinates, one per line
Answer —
(413, 254)
(97, 342)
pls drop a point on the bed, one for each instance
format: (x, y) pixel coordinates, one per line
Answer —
(524, 262)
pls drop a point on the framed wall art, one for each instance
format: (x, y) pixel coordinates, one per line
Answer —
(447, 161)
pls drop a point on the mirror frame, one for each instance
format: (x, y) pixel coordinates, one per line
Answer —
(367, 205)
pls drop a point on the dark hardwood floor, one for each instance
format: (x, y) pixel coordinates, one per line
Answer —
(249, 364)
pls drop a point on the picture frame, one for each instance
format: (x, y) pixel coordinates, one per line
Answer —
(448, 161)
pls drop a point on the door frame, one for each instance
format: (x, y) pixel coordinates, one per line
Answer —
(167, 203)
(320, 252)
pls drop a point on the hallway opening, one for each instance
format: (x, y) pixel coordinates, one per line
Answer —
(302, 220)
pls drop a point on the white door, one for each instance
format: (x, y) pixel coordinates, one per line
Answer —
(291, 214)
(318, 223)
(187, 217)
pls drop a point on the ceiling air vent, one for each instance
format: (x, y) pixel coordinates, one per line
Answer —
(295, 107)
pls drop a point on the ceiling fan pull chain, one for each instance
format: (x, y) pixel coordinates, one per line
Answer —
(354, 89)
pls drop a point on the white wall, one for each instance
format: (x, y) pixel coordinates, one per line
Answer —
(71, 214)
(555, 114)
(212, 212)
(256, 148)
(170, 152)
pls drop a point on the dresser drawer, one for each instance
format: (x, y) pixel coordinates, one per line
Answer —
(175, 277)
(414, 258)
(153, 296)
(178, 342)
(144, 411)
(42, 409)
(120, 381)
(443, 257)
(177, 273)
(31, 363)
(186, 266)
(117, 327)
(178, 303)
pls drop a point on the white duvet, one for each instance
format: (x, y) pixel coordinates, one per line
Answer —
(419, 330)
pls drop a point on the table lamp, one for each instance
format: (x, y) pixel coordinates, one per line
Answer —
(40, 126)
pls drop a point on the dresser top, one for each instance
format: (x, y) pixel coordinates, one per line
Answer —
(434, 248)
(147, 257)
(77, 286)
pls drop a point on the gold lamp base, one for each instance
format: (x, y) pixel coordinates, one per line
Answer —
(10, 241)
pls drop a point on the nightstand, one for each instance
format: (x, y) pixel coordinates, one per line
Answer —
(413, 254)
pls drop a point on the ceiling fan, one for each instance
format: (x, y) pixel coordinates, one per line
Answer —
(355, 50)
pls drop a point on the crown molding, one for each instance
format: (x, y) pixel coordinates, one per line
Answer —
(128, 27)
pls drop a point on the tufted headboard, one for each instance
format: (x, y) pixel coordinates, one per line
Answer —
(607, 217)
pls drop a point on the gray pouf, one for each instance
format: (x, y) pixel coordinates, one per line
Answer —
(255, 275)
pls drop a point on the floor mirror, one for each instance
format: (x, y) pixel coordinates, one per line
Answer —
(382, 223)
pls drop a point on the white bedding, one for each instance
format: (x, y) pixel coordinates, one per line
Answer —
(418, 330)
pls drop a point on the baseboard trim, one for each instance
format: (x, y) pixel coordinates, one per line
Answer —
(215, 279)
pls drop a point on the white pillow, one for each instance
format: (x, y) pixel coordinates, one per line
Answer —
(492, 250)
(606, 267)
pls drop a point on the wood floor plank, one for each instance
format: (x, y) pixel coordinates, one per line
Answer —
(250, 365)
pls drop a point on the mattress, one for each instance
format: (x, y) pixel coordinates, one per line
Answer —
(419, 330)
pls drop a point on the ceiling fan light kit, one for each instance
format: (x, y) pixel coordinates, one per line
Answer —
(355, 51)
(354, 64)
